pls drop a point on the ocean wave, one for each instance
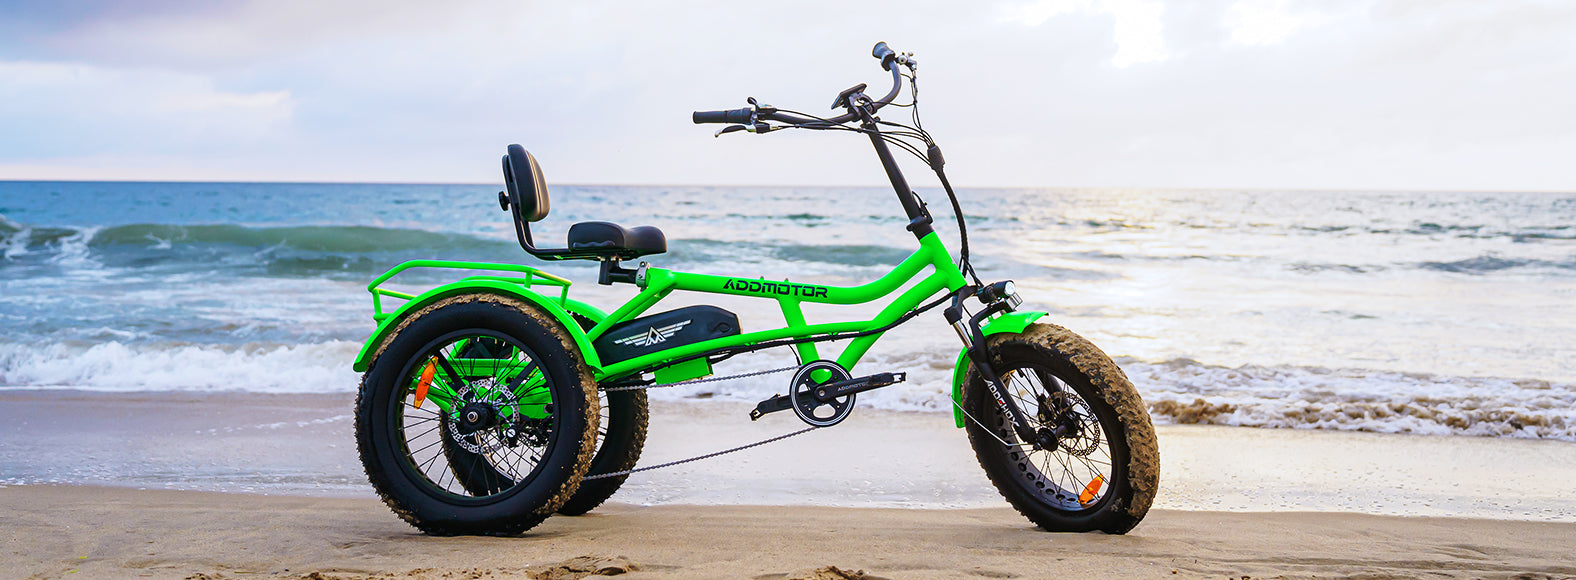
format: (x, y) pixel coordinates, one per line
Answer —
(1179, 391)
(1487, 263)
(338, 239)
(343, 251)
(294, 251)
(113, 366)
(1184, 391)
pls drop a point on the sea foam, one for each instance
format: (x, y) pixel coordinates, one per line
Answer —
(1177, 392)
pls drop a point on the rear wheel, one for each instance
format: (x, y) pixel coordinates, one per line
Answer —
(513, 435)
(1095, 463)
(621, 434)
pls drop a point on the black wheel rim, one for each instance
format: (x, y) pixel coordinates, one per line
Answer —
(1078, 473)
(497, 465)
(603, 422)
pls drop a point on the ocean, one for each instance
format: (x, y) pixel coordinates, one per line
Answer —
(1390, 312)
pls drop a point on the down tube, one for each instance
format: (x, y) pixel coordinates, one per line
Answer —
(926, 288)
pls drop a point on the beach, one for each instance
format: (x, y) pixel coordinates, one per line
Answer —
(1264, 289)
(1234, 501)
(96, 532)
(1345, 384)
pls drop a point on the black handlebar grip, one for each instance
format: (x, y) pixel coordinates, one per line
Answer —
(885, 53)
(733, 116)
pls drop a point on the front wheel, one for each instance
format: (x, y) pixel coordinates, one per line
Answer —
(1095, 464)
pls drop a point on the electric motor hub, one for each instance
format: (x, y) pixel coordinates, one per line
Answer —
(1046, 439)
(475, 416)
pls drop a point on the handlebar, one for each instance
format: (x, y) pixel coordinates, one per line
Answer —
(742, 116)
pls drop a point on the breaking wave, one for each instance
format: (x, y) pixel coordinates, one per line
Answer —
(1186, 392)
(1178, 392)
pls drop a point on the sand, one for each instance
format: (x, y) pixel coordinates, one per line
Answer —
(99, 532)
(304, 445)
(896, 495)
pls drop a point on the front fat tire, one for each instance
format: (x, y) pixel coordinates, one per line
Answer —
(1135, 469)
(567, 456)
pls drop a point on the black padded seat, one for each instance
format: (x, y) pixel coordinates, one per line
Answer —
(613, 240)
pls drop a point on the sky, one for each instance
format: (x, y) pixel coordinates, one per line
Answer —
(1274, 94)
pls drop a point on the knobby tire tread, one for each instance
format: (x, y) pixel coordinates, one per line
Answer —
(595, 492)
(582, 464)
(1143, 467)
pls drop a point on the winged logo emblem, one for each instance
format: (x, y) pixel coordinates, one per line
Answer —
(653, 335)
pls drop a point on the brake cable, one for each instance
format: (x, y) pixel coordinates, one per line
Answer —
(931, 157)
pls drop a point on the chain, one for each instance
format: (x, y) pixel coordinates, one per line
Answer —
(708, 455)
(699, 381)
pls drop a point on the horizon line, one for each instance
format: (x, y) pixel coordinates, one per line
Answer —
(820, 186)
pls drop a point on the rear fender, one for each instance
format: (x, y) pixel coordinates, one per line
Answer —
(559, 312)
(1009, 323)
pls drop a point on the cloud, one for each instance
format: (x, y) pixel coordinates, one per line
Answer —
(61, 109)
(1265, 22)
(1203, 93)
(1137, 25)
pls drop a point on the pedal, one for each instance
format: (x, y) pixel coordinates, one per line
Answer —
(772, 405)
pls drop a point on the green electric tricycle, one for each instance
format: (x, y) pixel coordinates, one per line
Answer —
(491, 403)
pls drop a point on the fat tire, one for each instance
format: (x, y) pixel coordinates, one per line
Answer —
(569, 453)
(1122, 416)
(628, 418)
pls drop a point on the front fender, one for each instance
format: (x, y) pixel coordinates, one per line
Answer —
(473, 286)
(1010, 323)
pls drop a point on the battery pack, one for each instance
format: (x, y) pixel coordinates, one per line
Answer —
(659, 332)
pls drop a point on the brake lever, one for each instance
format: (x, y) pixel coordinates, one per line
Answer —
(729, 129)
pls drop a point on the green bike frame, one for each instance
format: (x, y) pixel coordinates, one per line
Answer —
(690, 361)
(658, 283)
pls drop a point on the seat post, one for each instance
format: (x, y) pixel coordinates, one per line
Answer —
(612, 272)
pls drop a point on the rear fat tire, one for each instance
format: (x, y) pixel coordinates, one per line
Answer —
(1134, 471)
(618, 450)
(566, 457)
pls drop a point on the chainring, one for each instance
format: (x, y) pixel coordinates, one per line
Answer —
(801, 394)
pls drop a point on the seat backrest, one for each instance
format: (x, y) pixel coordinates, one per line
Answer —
(527, 189)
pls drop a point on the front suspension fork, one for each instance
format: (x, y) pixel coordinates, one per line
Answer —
(974, 344)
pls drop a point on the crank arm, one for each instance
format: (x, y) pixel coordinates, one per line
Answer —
(825, 393)
(772, 405)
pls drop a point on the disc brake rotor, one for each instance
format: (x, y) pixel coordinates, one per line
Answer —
(1082, 432)
(485, 392)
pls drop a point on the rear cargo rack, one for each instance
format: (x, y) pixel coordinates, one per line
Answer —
(532, 277)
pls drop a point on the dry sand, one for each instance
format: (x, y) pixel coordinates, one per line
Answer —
(97, 532)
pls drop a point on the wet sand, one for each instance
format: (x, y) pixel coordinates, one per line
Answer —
(305, 445)
(97, 532)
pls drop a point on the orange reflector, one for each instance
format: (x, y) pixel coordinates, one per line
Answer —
(1087, 497)
(425, 383)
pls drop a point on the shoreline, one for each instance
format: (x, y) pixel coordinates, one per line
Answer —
(60, 531)
(304, 445)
